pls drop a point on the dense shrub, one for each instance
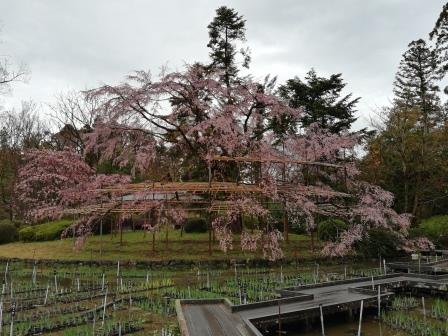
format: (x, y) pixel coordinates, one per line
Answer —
(436, 229)
(330, 229)
(16, 222)
(44, 232)
(195, 225)
(8, 232)
(378, 243)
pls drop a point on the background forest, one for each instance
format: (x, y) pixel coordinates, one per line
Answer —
(404, 150)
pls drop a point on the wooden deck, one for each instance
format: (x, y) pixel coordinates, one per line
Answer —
(219, 317)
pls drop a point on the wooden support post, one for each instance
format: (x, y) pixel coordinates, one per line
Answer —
(238, 173)
(121, 224)
(279, 319)
(285, 224)
(1, 317)
(424, 308)
(209, 176)
(104, 307)
(209, 236)
(312, 240)
(121, 233)
(379, 302)
(209, 217)
(101, 236)
(13, 313)
(360, 317)
(153, 241)
(322, 320)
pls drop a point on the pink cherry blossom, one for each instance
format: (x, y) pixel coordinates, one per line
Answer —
(184, 119)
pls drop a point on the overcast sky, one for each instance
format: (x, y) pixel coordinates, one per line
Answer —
(80, 44)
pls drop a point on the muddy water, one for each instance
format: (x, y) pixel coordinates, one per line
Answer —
(337, 325)
(369, 327)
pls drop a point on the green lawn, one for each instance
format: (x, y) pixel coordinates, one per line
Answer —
(138, 247)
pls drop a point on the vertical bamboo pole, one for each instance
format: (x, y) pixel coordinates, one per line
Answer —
(55, 282)
(285, 224)
(1, 316)
(424, 308)
(121, 224)
(279, 319)
(101, 230)
(209, 235)
(13, 313)
(6, 271)
(360, 317)
(209, 215)
(104, 307)
(322, 320)
(46, 294)
(379, 302)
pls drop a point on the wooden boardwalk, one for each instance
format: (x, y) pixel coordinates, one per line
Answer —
(221, 318)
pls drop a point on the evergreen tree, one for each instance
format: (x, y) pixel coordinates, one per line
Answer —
(416, 82)
(322, 101)
(416, 89)
(439, 34)
(226, 29)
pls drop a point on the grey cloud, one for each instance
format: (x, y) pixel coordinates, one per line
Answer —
(79, 44)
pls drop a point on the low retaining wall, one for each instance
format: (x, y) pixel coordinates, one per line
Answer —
(269, 303)
(248, 306)
(342, 282)
(181, 319)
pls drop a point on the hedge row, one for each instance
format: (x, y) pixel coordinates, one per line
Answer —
(8, 232)
(44, 232)
(435, 228)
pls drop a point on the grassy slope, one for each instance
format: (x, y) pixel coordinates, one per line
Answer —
(137, 247)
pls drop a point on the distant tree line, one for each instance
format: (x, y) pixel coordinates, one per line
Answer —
(409, 153)
(406, 153)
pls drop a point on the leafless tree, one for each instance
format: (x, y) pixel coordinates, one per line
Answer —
(74, 115)
(19, 130)
(10, 73)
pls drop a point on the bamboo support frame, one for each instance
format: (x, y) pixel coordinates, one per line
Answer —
(205, 196)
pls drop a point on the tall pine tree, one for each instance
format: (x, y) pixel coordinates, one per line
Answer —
(416, 89)
(439, 34)
(225, 31)
(322, 101)
(416, 82)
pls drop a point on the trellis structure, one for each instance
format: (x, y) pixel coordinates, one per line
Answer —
(208, 190)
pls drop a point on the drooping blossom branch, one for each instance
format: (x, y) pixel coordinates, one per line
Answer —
(189, 117)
